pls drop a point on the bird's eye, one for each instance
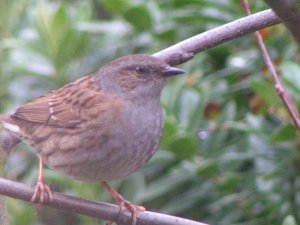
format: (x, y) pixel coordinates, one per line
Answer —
(141, 69)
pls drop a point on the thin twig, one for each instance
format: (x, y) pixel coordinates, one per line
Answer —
(91, 208)
(279, 86)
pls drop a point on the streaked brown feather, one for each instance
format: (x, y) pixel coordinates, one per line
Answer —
(61, 107)
(36, 111)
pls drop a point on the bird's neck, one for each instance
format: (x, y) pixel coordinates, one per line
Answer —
(145, 102)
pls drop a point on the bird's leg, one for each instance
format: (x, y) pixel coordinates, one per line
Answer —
(41, 191)
(123, 202)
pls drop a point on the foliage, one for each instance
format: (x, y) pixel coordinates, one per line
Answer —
(228, 155)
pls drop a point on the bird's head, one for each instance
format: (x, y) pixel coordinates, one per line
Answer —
(136, 75)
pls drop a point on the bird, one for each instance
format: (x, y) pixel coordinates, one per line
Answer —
(101, 127)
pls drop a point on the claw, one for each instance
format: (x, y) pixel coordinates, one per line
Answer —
(41, 193)
(123, 202)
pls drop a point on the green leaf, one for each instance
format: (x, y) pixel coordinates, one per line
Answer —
(59, 23)
(291, 75)
(229, 182)
(20, 212)
(266, 91)
(284, 133)
(185, 147)
(116, 6)
(229, 112)
(208, 168)
(187, 199)
(170, 130)
(161, 186)
(43, 22)
(139, 17)
(167, 35)
(189, 107)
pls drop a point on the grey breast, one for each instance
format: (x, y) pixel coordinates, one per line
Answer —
(139, 140)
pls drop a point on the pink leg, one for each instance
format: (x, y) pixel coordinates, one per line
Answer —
(41, 192)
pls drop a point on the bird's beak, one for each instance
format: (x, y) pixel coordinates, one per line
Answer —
(172, 71)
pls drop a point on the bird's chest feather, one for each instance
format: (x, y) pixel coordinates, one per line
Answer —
(135, 143)
(143, 127)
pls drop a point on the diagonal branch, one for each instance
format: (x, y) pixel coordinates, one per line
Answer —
(185, 50)
(91, 208)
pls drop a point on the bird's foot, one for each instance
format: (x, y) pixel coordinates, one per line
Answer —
(122, 202)
(131, 207)
(42, 193)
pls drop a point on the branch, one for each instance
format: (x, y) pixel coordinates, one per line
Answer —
(185, 50)
(279, 86)
(91, 208)
(289, 12)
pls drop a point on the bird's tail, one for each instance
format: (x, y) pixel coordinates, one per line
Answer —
(4, 118)
(8, 139)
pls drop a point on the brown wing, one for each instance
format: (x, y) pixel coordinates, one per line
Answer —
(62, 107)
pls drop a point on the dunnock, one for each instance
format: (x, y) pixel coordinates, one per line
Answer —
(98, 128)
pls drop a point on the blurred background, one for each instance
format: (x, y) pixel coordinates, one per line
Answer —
(228, 155)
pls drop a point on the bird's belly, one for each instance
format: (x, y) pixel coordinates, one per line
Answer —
(115, 157)
(112, 161)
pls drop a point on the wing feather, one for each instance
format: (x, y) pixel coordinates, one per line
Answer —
(61, 108)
